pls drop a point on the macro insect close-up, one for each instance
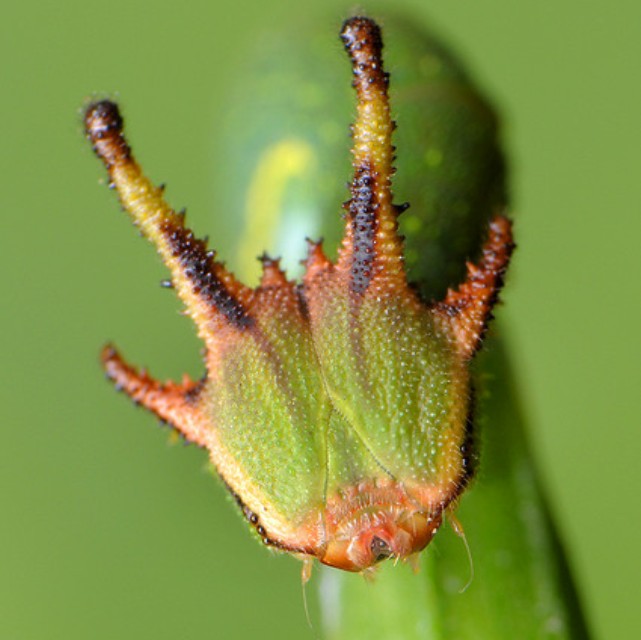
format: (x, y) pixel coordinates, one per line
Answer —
(388, 376)
(338, 411)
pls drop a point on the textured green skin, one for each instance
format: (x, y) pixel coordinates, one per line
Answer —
(271, 412)
(390, 384)
(396, 390)
(522, 587)
(380, 393)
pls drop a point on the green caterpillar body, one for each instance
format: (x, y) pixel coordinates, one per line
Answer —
(285, 146)
(337, 410)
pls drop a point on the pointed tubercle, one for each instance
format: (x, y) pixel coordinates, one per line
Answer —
(273, 275)
(176, 404)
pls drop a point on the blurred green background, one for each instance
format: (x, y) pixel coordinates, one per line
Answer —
(108, 532)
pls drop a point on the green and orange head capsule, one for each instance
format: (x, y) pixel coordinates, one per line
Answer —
(337, 410)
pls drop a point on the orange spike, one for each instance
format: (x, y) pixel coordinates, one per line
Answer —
(467, 310)
(273, 275)
(210, 292)
(316, 262)
(176, 404)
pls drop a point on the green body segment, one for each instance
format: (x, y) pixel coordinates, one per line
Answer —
(349, 460)
(298, 424)
(284, 141)
(397, 384)
(271, 413)
(450, 165)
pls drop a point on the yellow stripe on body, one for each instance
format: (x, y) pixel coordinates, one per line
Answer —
(287, 160)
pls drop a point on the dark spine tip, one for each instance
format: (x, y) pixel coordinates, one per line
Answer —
(360, 31)
(267, 261)
(104, 128)
(315, 244)
(362, 39)
(102, 118)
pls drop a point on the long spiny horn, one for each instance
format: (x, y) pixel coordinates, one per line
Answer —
(372, 247)
(211, 293)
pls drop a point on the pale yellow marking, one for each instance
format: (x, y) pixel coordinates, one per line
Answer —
(282, 162)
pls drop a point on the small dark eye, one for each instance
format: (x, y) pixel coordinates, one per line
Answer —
(380, 549)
